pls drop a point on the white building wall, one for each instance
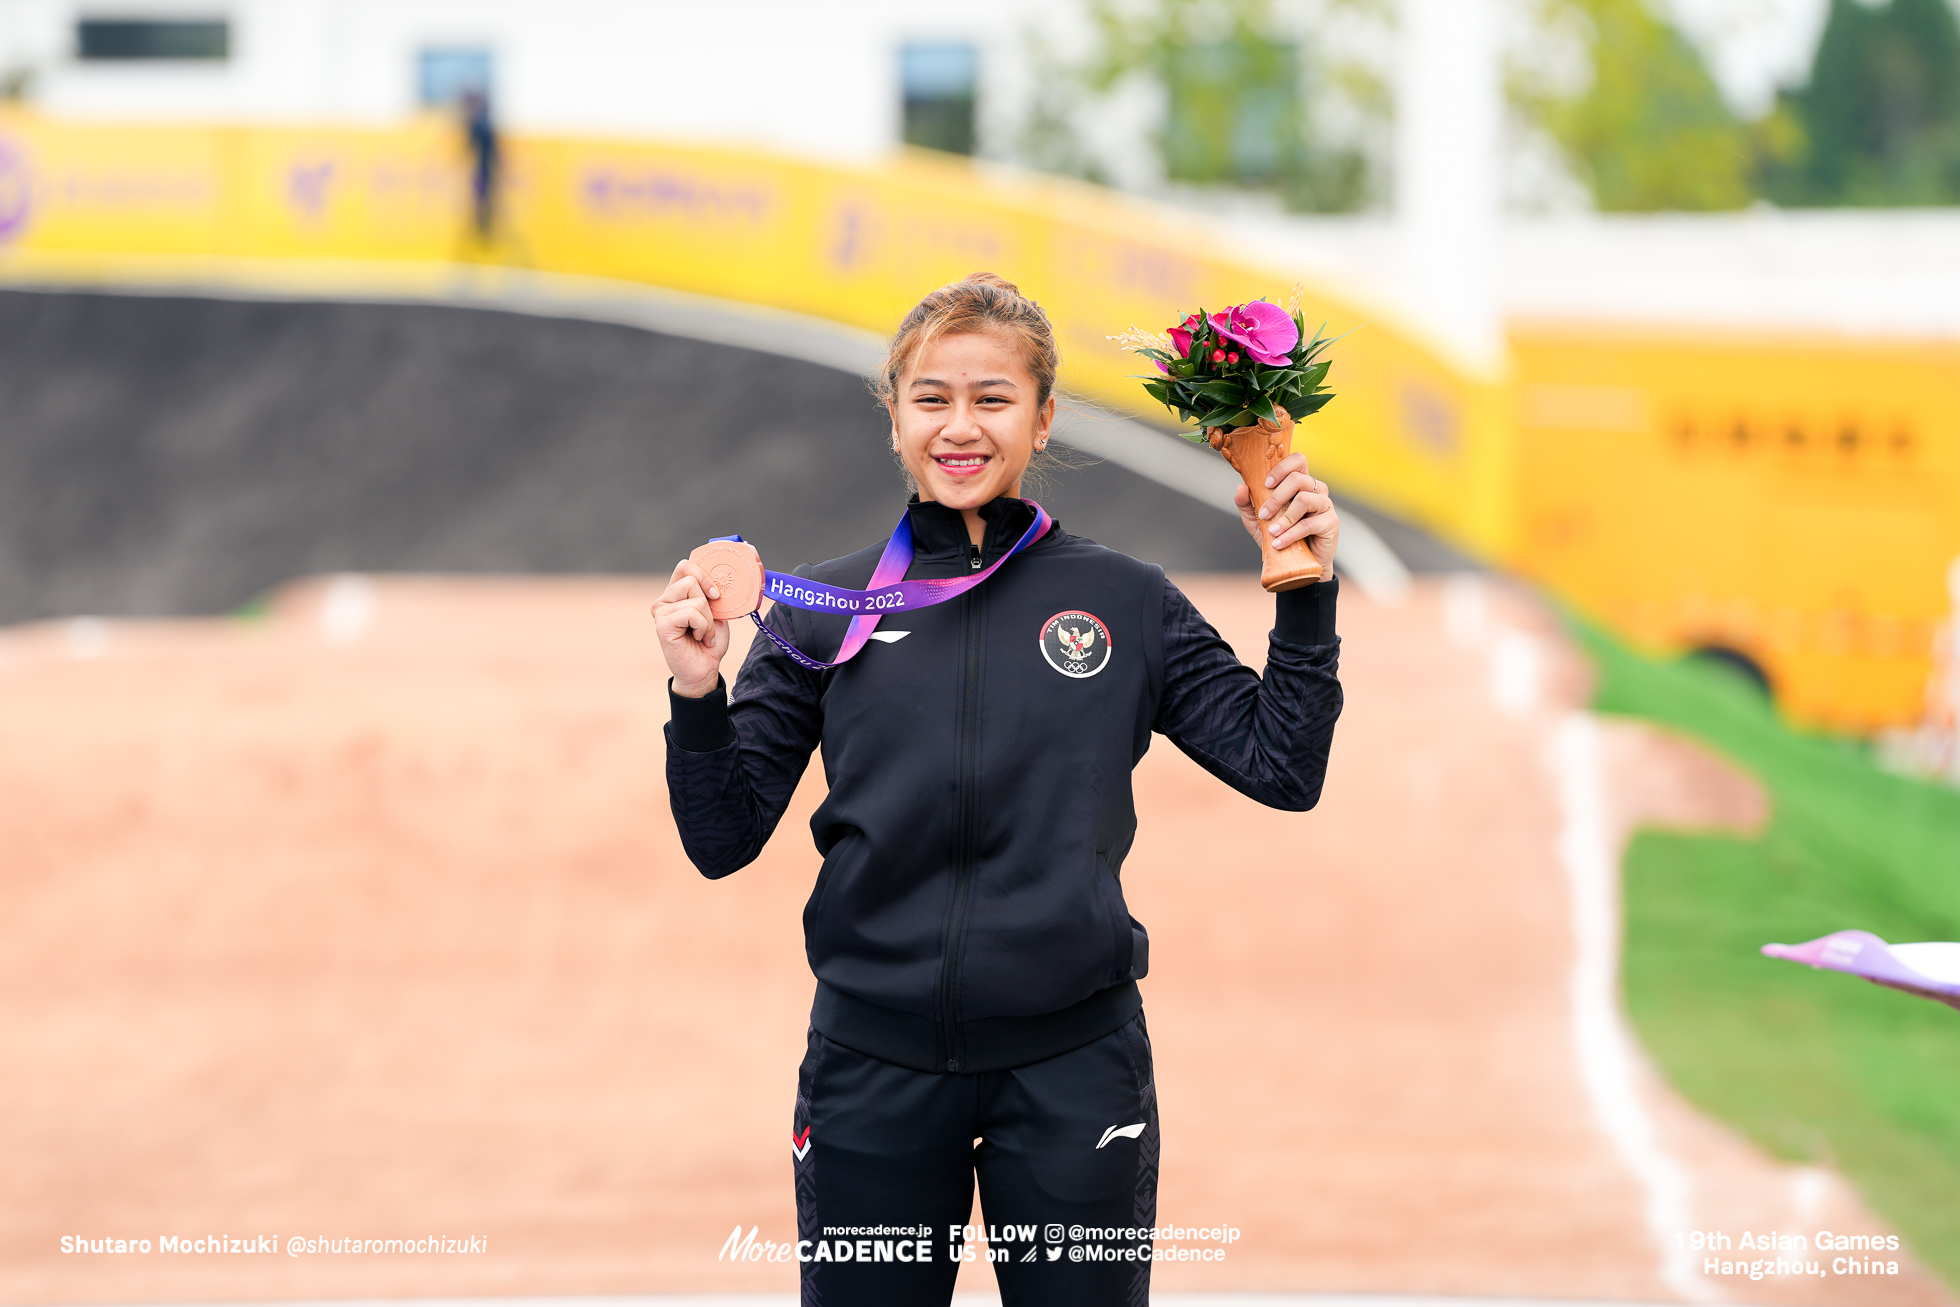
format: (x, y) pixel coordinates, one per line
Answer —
(804, 76)
(1448, 164)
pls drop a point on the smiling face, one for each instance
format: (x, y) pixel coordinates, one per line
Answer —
(965, 421)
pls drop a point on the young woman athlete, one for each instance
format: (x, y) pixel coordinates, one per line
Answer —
(977, 1007)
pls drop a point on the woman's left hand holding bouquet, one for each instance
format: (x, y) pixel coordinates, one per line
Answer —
(691, 640)
(1299, 509)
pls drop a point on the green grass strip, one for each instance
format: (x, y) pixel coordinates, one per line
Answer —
(1812, 1065)
(256, 609)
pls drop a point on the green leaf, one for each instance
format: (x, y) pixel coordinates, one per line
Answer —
(1158, 390)
(1231, 390)
(1264, 408)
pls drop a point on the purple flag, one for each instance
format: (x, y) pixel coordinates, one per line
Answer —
(1931, 970)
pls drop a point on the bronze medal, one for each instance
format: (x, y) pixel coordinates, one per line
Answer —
(735, 569)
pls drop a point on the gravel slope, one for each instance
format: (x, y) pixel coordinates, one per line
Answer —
(165, 455)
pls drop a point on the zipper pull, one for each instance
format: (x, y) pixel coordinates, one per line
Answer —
(973, 563)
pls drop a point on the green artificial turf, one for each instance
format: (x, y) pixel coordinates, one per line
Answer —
(1812, 1065)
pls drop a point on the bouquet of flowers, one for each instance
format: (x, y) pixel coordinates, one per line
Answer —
(1244, 375)
(1236, 368)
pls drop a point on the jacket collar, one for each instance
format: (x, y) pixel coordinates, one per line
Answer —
(940, 532)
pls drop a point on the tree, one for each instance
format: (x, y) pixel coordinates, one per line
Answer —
(1235, 84)
(1879, 120)
(1650, 130)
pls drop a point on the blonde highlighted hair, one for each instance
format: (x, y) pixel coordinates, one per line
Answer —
(979, 301)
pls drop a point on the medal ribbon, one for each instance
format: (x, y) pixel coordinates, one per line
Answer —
(889, 591)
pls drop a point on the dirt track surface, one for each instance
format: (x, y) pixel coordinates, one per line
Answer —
(366, 919)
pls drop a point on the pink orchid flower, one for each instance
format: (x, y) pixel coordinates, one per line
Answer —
(1265, 330)
(1181, 335)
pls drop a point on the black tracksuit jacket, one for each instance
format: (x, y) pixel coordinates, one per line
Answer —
(969, 915)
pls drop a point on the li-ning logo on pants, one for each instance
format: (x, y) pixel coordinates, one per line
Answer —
(1075, 643)
(1116, 1132)
(800, 1144)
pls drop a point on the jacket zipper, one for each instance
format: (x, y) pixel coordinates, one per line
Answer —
(964, 820)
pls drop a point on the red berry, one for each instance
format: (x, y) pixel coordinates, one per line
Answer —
(1232, 357)
(1218, 356)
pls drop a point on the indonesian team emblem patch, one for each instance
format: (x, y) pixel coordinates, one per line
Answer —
(1075, 643)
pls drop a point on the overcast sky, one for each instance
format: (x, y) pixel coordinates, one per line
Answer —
(1754, 46)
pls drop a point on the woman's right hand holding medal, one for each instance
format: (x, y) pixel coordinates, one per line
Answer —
(691, 639)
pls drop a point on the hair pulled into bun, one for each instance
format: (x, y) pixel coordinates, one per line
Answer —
(993, 279)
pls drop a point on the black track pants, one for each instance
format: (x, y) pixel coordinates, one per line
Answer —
(1069, 1142)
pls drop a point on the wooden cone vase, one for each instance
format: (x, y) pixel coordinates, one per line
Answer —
(1253, 452)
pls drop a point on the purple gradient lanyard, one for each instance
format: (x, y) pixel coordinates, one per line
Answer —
(889, 591)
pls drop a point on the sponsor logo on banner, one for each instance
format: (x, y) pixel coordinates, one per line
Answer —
(632, 191)
(309, 188)
(16, 190)
(1075, 643)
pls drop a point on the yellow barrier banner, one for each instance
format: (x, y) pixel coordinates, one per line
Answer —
(853, 244)
(1790, 501)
